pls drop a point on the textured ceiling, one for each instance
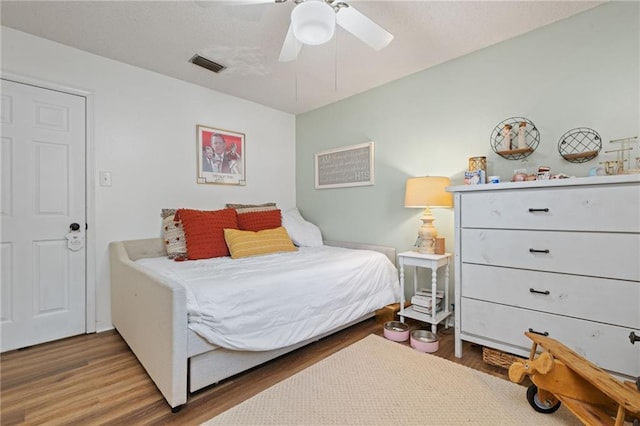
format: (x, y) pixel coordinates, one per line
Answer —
(163, 35)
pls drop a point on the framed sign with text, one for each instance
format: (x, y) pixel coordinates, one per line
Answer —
(347, 166)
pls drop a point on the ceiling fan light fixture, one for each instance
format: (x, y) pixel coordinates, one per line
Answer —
(313, 22)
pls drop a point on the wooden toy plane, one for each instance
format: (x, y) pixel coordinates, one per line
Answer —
(562, 376)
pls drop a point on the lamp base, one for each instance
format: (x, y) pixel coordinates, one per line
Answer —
(426, 249)
(427, 234)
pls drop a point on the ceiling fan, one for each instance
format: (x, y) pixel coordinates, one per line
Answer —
(313, 22)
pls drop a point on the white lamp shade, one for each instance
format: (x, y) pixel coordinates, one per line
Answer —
(313, 22)
(428, 191)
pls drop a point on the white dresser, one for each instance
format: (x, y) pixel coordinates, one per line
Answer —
(558, 257)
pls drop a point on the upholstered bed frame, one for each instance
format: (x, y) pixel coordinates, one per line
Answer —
(150, 313)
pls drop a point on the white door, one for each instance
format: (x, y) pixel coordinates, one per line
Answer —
(42, 280)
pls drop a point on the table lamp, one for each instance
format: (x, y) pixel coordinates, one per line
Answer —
(425, 192)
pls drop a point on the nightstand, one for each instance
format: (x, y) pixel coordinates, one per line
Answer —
(433, 262)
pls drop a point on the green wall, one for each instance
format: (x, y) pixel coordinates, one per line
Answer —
(580, 72)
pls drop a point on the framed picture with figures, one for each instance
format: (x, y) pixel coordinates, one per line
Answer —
(220, 156)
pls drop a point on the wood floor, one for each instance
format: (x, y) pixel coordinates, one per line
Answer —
(96, 379)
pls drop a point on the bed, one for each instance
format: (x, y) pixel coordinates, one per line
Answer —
(153, 310)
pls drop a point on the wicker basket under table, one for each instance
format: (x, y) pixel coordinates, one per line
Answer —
(498, 358)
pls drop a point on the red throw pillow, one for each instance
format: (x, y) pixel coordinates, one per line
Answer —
(259, 221)
(204, 231)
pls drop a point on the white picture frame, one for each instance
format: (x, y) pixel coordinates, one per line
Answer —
(345, 167)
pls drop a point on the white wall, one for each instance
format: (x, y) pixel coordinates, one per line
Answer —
(144, 132)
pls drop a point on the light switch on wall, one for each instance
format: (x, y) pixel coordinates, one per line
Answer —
(105, 178)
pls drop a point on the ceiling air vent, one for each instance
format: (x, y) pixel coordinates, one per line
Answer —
(206, 63)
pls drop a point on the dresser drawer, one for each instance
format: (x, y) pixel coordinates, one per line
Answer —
(614, 208)
(595, 299)
(582, 253)
(605, 345)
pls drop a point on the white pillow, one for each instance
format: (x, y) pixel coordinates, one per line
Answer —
(301, 232)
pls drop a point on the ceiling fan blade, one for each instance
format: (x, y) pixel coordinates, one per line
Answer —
(210, 3)
(290, 47)
(363, 28)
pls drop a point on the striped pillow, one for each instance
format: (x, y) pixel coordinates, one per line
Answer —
(247, 208)
(248, 243)
(174, 238)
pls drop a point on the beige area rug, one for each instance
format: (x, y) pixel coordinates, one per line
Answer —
(379, 382)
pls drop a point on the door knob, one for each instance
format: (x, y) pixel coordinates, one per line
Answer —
(74, 226)
(633, 338)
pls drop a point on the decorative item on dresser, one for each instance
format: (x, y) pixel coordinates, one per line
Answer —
(425, 192)
(623, 163)
(557, 257)
(477, 170)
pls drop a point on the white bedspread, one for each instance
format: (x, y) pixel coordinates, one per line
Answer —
(268, 302)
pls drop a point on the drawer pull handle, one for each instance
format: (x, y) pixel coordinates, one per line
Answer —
(538, 251)
(633, 338)
(542, 333)
(538, 210)
(533, 290)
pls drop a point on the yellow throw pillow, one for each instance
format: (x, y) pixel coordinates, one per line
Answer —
(249, 243)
